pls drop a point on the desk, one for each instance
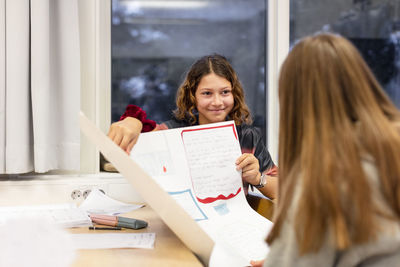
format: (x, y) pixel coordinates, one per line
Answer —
(168, 249)
(262, 205)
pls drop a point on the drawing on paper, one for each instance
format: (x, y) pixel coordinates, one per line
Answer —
(186, 200)
(156, 158)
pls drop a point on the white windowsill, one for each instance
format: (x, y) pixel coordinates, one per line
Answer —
(58, 188)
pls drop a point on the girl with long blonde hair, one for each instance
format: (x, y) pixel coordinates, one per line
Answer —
(339, 161)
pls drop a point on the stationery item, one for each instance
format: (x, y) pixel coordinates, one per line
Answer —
(99, 203)
(118, 221)
(113, 240)
(104, 228)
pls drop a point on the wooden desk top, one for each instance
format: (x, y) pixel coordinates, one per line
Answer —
(168, 249)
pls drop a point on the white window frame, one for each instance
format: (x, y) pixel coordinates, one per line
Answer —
(95, 34)
(278, 48)
(95, 25)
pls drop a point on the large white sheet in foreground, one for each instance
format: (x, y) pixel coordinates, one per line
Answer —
(188, 177)
(196, 166)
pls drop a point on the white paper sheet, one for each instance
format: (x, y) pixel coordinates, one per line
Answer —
(65, 215)
(196, 166)
(104, 241)
(99, 203)
(222, 255)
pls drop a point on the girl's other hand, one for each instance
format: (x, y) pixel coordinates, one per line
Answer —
(125, 133)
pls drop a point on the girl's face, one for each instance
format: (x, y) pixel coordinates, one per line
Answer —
(214, 98)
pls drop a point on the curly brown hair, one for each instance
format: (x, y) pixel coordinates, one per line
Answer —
(219, 65)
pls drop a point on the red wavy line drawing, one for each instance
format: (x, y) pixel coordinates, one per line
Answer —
(208, 200)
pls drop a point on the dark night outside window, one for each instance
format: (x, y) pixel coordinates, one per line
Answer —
(372, 26)
(155, 42)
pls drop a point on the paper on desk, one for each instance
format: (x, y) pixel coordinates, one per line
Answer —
(65, 215)
(99, 203)
(103, 241)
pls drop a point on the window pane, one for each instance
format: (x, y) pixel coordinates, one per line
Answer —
(372, 26)
(155, 42)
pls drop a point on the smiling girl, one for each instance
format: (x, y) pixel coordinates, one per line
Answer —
(211, 92)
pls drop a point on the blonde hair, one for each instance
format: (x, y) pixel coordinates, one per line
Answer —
(326, 93)
(186, 101)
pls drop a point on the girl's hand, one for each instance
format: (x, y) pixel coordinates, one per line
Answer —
(125, 133)
(259, 263)
(249, 165)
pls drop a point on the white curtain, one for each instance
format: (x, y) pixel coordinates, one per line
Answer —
(39, 85)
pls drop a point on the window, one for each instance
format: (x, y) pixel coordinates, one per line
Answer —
(96, 18)
(155, 42)
(372, 26)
